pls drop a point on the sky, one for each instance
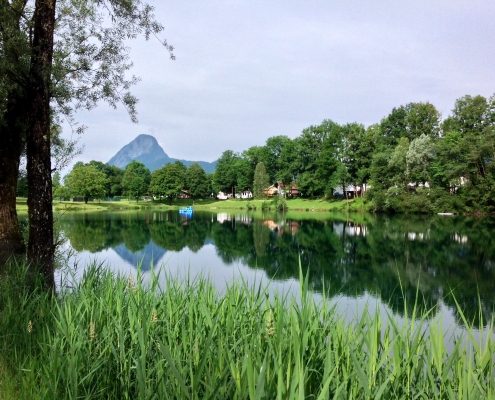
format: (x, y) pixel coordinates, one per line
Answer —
(249, 70)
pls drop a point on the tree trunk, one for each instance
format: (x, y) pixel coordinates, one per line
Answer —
(41, 247)
(12, 132)
(11, 240)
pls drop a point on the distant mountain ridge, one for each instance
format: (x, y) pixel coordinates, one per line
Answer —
(145, 149)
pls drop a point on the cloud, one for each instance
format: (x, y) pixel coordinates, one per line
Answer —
(246, 71)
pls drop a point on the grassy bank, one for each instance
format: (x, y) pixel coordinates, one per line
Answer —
(304, 205)
(112, 338)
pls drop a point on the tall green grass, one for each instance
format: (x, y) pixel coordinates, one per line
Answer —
(114, 338)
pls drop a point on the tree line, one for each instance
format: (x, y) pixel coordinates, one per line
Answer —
(411, 161)
(98, 180)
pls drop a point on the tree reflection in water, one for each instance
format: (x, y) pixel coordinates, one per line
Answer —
(392, 257)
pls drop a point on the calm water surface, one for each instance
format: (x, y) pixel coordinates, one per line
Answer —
(356, 258)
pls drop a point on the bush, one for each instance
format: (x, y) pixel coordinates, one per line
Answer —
(280, 203)
(250, 206)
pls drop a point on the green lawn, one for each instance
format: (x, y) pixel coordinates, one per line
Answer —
(305, 205)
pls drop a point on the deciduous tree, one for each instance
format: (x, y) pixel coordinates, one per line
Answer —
(136, 180)
(225, 175)
(197, 181)
(86, 181)
(169, 180)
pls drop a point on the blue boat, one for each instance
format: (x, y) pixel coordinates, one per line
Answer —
(186, 210)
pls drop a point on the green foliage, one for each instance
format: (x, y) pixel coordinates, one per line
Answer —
(250, 206)
(225, 175)
(169, 180)
(86, 181)
(261, 180)
(471, 115)
(62, 192)
(265, 205)
(56, 180)
(274, 163)
(398, 163)
(244, 174)
(22, 185)
(136, 179)
(422, 119)
(280, 203)
(92, 39)
(408, 150)
(418, 158)
(114, 176)
(197, 182)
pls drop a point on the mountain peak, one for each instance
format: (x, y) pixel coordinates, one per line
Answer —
(143, 148)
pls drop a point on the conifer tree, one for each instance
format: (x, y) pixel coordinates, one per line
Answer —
(260, 180)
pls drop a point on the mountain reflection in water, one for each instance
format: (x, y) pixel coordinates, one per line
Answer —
(391, 257)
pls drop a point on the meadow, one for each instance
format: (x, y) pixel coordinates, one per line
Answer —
(296, 204)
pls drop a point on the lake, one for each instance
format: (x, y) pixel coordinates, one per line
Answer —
(357, 259)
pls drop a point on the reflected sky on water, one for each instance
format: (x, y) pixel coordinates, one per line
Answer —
(357, 259)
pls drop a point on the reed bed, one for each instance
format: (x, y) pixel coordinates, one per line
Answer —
(114, 338)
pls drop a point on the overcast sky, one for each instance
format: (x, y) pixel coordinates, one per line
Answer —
(249, 70)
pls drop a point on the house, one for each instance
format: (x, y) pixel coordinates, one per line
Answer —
(184, 194)
(278, 188)
(270, 191)
(223, 196)
(350, 191)
(246, 194)
(293, 191)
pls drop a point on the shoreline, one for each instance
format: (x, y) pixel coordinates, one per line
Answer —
(294, 205)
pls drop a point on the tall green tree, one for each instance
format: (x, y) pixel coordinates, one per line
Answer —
(169, 180)
(261, 180)
(114, 177)
(225, 175)
(422, 119)
(197, 181)
(418, 158)
(136, 180)
(244, 174)
(56, 181)
(351, 154)
(288, 163)
(312, 178)
(471, 114)
(86, 181)
(274, 147)
(449, 164)
(398, 163)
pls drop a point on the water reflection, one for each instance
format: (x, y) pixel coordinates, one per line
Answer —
(390, 257)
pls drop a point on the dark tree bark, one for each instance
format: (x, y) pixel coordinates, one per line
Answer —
(12, 128)
(41, 247)
(11, 240)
